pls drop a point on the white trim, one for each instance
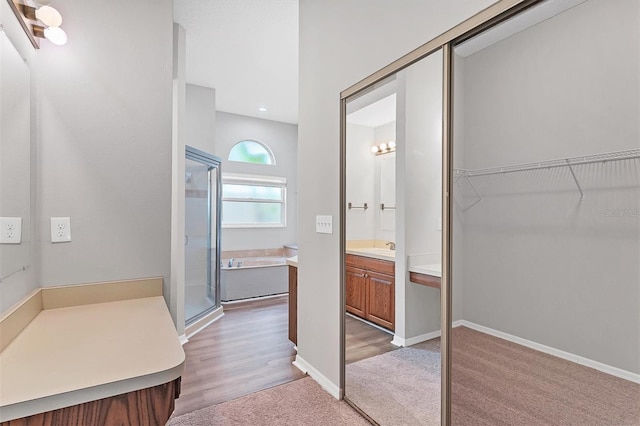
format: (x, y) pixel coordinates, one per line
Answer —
(251, 299)
(403, 343)
(322, 380)
(605, 368)
(193, 329)
(183, 339)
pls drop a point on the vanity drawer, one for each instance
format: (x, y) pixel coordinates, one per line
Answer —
(371, 264)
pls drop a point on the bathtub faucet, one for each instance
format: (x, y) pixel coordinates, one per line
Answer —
(231, 262)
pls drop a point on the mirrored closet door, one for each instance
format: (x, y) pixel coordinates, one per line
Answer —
(392, 208)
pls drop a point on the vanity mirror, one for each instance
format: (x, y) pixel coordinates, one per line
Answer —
(15, 162)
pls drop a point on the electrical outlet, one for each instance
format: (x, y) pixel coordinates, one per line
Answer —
(10, 230)
(324, 224)
(60, 229)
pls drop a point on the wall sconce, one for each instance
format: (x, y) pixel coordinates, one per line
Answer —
(39, 22)
(384, 148)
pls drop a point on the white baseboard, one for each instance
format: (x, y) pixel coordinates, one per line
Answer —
(322, 380)
(403, 343)
(605, 368)
(183, 339)
(193, 329)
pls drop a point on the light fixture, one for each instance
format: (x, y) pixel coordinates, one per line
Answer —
(384, 148)
(262, 109)
(49, 16)
(40, 22)
(55, 35)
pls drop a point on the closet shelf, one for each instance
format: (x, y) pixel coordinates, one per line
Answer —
(562, 162)
(570, 162)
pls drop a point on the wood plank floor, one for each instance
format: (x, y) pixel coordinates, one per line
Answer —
(365, 341)
(245, 351)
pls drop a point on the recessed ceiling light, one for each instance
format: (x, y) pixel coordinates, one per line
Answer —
(262, 109)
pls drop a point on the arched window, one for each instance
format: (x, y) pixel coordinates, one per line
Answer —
(249, 151)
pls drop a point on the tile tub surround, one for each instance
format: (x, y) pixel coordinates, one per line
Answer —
(286, 251)
(110, 339)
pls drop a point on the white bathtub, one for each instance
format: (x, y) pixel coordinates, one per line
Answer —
(257, 276)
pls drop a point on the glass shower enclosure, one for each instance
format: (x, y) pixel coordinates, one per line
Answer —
(202, 233)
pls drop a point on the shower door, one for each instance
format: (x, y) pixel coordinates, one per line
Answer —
(202, 234)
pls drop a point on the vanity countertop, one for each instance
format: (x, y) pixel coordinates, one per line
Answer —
(71, 355)
(292, 261)
(434, 270)
(374, 252)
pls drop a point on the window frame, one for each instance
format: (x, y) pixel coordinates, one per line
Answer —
(255, 180)
(272, 157)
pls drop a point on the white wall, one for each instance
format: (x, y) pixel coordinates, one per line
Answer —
(200, 104)
(361, 178)
(281, 138)
(341, 43)
(22, 283)
(420, 173)
(539, 263)
(104, 143)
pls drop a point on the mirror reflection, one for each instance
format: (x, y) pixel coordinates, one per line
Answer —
(15, 163)
(393, 243)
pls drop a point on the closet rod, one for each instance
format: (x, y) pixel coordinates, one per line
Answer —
(563, 162)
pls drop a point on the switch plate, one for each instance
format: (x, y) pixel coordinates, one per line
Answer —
(324, 224)
(10, 230)
(60, 229)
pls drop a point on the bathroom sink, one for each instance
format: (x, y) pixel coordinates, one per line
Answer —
(376, 252)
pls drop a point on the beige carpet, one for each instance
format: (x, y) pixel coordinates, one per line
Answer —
(302, 402)
(400, 387)
(495, 382)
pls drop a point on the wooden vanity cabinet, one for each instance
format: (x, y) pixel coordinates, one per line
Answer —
(370, 289)
(356, 289)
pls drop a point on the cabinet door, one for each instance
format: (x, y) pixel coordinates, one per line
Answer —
(381, 300)
(356, 291)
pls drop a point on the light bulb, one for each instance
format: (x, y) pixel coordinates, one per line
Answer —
(392, 144)
(374, 149)
(55, 35)
(49, 16)
(383, 147)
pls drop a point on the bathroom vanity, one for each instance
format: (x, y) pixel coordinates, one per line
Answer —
(370, 286)
(90, 355)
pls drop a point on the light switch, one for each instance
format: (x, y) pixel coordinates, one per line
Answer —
(60, 229)
(10, 230)
(324, 224)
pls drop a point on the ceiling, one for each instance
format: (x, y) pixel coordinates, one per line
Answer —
(245, 49)
(375, 114)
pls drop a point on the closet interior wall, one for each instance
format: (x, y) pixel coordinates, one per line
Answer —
(532, 258)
